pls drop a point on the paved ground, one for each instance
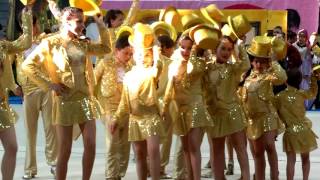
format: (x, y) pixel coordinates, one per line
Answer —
(98, 171)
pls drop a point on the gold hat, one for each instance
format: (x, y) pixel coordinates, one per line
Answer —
(27, 2)
(123, 31)
(163, 28)
(226, 31)
(316, 69)
(171, 16)
(205, 36)
(190, 20)
(213, 14)
(239, 25)
(279, 48)
(142, 37)
(89, 7)
(260, 47)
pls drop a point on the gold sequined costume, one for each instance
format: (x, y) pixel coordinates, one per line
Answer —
(224, 105)
(7, 115)
(258, 100)
(185, 88)
(139, 99)
(298, 136)
(109, 75)
(66, 62)
(36, 101)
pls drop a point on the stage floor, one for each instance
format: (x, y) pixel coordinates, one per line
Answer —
(75, 172)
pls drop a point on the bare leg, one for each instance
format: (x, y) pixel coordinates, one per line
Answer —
(239, 142)
(141, 159)
(219, 158)
(260, 162)
(269, 140)
(305, 165)
(9, 142)
(64, 134)
(153, 145)
(291, 161)
(195, 140)
(186, 152)
(88, 130)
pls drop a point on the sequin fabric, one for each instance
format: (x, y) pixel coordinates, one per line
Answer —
(224, 105)
(258, 101)
(298, 136)
(7, 115)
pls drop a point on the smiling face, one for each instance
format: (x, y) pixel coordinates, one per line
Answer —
(224, 50)
(185, 48)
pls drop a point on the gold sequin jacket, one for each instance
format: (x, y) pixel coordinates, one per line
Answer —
(8, 48)
(222, 81)
(51, 54)
(290, 105)
(108, 88)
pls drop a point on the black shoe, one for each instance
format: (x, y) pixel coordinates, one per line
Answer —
(53, 170)
(230, 169)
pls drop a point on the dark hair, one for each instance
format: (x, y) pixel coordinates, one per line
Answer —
(122, 42)
(293, 57)
(270, 32)
(165, 41)
(278, 27)
(291, 34)
(112, 14)
(294, 77)
(227, 38)
(293, 19)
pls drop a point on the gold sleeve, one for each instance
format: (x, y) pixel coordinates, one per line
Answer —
(8, 78)
(102, 47)
(243, 64)
(313, 90)
(123, 108)
(277, 74)
(32, 65)
(197, 64)
(132, 13)
(98, 70)
(25, 40)
(316, 50)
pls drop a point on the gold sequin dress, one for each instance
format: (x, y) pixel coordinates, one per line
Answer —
(224, 105)
(185, 89)
(66, 62)
(139, 99)
(298, 136)
(7, 115)
(258, 101)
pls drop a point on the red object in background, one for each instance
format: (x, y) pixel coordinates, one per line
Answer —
(243, 6)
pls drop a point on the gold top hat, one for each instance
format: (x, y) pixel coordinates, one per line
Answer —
(89, 7)
(213, 14)
(260, 47)
(205, 36)
(279, 48)
(190, 20)
(162, 28)
(171, 16)
(27, 2)
(316, 69)
(124, 31)
(239, 25)
(226, 31)
(142, 37)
